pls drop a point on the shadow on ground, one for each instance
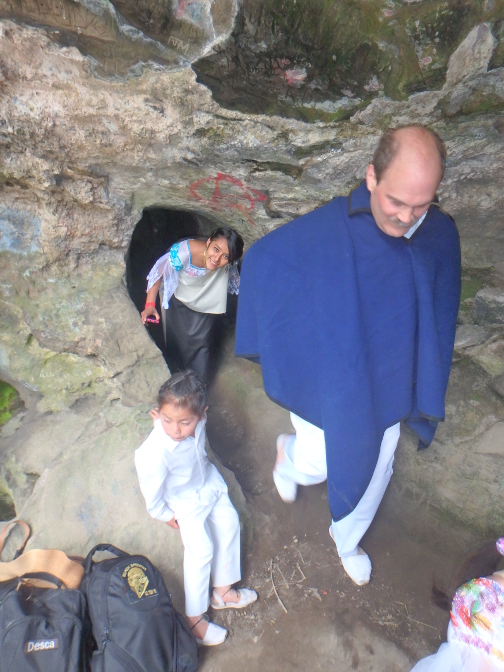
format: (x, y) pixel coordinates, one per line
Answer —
(320, 619)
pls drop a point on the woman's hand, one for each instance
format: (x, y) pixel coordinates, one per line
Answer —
(146, 312)
(173, 523)
(150, 302)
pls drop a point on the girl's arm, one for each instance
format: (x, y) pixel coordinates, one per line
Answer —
(152, 473)
(165, 270)
(151, 298)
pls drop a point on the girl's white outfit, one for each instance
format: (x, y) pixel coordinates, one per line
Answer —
(177, 480)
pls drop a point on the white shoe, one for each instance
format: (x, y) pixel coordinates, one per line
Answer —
(287, 488)
(247, 597)
(213, 636)
(358, 566)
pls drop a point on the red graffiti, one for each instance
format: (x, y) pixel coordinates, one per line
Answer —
(226, 191)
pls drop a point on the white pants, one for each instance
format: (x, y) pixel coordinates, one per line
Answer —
(305, 463)
(211, 538)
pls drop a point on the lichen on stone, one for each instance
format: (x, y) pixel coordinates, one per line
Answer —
(10, 402)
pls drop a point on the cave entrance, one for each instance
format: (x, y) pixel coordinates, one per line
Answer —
(154, 234)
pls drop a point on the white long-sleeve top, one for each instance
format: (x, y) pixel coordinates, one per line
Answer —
(176, 477)
(176, 268)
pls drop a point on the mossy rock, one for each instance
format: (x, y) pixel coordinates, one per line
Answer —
(362, 48)
(477, 102)
(10, 402)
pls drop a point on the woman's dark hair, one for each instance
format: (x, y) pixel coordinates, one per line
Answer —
(481, 563)
(234, 241)
(184, 389)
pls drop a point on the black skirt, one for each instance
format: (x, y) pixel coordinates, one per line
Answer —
(188, 338)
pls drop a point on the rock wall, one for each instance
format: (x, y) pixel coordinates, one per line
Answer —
(92, 132)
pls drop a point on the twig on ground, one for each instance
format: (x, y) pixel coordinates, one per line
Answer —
(301, 572)
(414, 619)
(421, 623)
(301, 557)
(283, 577)
(274, 588)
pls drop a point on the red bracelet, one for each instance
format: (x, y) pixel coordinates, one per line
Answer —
(150, 303)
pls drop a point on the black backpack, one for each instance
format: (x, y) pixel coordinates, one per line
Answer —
(41, 629)
(134, 623)
(43, 624)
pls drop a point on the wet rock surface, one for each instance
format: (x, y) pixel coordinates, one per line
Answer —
(123, 37)
(319, 60)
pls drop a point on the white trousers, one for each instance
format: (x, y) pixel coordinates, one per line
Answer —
(305, 463)
(211, 538)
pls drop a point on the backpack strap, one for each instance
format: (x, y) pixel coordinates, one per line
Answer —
(35, 578)
(100, 548)
(6, 531)
(57, 563)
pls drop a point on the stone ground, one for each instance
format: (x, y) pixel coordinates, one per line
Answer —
(328, 622)
(331, 623)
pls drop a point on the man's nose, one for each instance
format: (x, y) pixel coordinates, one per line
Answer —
(405, 215)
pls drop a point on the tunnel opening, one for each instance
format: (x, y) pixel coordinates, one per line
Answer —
(157, 230)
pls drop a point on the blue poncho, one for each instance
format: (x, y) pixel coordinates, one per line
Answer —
(354, 329)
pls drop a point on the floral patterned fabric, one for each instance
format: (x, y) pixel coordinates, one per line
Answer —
(477, 616)
(476, 629)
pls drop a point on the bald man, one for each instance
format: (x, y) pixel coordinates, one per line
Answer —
(351, 311)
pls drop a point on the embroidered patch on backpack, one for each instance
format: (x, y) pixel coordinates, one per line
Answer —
(137, 581)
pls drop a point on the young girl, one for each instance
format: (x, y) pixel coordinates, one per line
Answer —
(476, 628)
(182, 488)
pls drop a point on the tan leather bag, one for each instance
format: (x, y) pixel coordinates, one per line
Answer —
(56, 563)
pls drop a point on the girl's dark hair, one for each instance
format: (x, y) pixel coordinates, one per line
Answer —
(184, 389)
(482, 563)
(234, 241)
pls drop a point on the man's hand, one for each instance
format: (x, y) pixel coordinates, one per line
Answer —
(173, 523)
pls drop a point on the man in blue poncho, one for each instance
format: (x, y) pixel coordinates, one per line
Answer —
(351, 311)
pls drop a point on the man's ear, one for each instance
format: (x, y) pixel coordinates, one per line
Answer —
(371, 181)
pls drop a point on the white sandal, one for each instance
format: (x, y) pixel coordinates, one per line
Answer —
(213, 636)
(247, 597)
(358, 566)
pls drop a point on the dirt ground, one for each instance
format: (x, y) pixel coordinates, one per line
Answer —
(309, 613)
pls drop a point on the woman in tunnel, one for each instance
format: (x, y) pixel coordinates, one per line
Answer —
(196, 276)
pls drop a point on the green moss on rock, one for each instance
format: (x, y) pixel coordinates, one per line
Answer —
(311, 51)
(10, 402)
